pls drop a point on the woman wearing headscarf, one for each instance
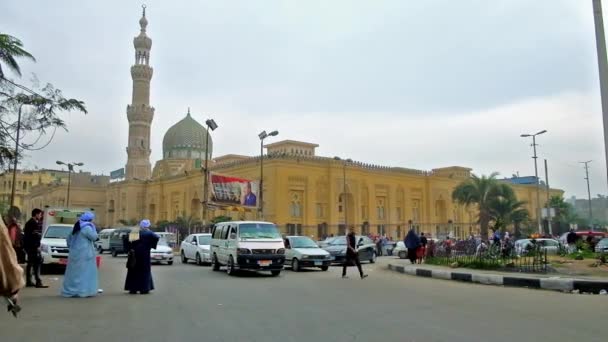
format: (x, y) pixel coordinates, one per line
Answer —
(81, 273)
(412, 242)
(139, 266)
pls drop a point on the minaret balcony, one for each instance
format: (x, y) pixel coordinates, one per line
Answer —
(140, 112)
(141, 72)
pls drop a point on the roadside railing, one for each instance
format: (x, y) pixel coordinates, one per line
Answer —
(482, 256)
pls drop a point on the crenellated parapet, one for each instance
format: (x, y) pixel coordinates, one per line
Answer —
(323, 160)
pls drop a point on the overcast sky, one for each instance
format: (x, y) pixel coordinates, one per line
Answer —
(418, 84)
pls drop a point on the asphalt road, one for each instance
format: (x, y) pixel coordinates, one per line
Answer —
(193, 303)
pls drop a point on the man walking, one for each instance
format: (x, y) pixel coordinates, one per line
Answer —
(352, 256)
(32, 234)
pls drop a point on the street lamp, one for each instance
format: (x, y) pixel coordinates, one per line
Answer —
(538, 212)
(344, 189)
(210, 125)
(263, 135)
(70, 170)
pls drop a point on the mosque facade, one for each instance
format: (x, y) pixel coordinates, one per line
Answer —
(303, 193)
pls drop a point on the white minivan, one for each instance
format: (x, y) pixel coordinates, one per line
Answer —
(103, 242)
(247, 245)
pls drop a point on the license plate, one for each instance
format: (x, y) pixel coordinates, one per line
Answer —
(318, 263)
(264, 262)
(158, 257)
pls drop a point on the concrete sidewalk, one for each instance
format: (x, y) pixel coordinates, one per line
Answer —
(529, 280)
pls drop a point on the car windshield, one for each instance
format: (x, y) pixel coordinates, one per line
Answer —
(162, 242)
(259, 231)
(58, 232)
(603, 242)
(204, 240)
(341, 240)
(302, 242)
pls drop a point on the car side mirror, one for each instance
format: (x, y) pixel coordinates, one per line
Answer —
(232, 236)
(193, 242)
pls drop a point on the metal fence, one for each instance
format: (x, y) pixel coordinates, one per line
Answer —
(482, 256)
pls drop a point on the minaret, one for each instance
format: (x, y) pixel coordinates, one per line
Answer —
(139, 113)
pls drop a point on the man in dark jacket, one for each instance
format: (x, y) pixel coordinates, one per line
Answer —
(32, 234)
(352, 256)
(571, 240)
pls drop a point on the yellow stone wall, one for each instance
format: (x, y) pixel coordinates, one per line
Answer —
(26, 180)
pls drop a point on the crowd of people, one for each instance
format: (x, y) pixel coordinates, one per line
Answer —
(18, 247)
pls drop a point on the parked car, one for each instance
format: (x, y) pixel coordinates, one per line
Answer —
(365, 247)
(53, 246)
(162, 252)
(326, 242)
(196, 247)
(247, 245)
(169, 237)
(602, 246)
(400, 250)
(103, 242)
(302, 251)
(552, 246)
(117, 241)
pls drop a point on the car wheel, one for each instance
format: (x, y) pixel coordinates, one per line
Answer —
(373, 259)
(184, 259)
(275, 273)
(402, 255)
(198, 259)
(324, 268)
(100, 250)
(169, 263)
(216, 263)
(295, 265)
(230, 266)
(114, 253)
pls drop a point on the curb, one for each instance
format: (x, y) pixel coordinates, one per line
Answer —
(554, 284)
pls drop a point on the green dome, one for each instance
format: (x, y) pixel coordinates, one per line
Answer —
(186, 140)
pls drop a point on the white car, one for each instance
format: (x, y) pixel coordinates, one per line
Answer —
(302, 251)
(162, 253)
(103, 242)
(550, 245)
(400, 250)
(196, 247)
(53, 246)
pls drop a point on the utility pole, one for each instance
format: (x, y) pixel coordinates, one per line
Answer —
(548, 199)
(588, 191)
(535, 157)
(602, 60)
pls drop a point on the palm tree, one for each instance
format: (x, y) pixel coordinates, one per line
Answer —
(481, 191)
(507, 210)
(10, 49)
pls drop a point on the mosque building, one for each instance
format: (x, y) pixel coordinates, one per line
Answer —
(303, 193)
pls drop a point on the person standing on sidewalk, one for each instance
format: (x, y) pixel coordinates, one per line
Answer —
(11, 274)
(412, 243)
(31, 244)
(422, 249)
(352, 256)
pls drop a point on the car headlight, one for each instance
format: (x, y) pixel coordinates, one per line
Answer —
(243, 251)
(328, 256)
(45, 248)
(305, 256)
(342, 252)
(169, 252)
(281, 251)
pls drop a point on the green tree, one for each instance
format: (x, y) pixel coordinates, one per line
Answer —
(186, 223)
(506, 210)
(564, 215)
(221, 218)
(11, 48)
(481, 191)
(129, 222)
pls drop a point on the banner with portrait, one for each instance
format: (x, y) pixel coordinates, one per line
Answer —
(233, 191)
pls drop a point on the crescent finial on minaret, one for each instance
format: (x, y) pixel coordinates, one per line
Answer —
(144, 10)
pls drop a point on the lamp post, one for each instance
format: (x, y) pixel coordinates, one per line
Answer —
(344, 189)
(210, 125)
(263, 135)
(588, 192)
(600, 42)
(70, 170)
(538, 210)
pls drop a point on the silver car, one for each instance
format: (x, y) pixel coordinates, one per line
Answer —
(550, 245)
(602, 246)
